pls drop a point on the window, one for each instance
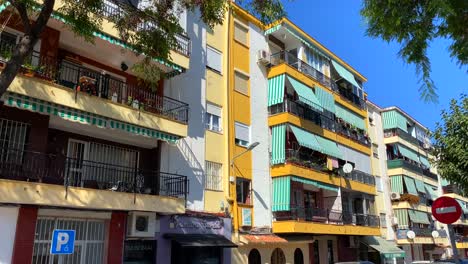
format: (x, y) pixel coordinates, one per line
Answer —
(375, 150)
(243, 191)
(213, 117)
(254, 257)
(378, 183)
(383, 220)
(214, 59)
(241, 33)
(277, 257)
(13, 137)
(214, 179)
(242, 134)
(316, 252)
(241, 82)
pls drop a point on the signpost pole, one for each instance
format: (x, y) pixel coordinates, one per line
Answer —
(454, 244)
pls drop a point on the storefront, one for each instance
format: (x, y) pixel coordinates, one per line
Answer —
(193, 239)
(381, 250)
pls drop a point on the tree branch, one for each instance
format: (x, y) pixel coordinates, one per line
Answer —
(43, 17)
(23, 12)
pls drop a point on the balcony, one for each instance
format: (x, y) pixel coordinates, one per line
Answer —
(361, 177)
(292, 60)
(397, 132)
(412, 166)
(94, 83)
(327, 216)
(305, 159)
(349, 96)
(420, 232)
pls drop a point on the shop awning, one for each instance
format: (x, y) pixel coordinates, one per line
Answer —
(350, 117)
(418, 217)
(420, 186)
(344, 73)
(278, 144)
(276, 90)
(326, 99)
(201, 240)
(430, 192)
(424, 161)
(386, 248)
(393, 119)
(410, 186)
(306, 139)
(262, 239)
(396, 183)
(329, 147)
(306, 95)
(463, 206)
(317, 184)
(408, 153)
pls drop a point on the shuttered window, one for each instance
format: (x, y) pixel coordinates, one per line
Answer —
(242, 134)
(241, 33)
(241, 82)
(214, 179)
(214, 59)
(213, 117)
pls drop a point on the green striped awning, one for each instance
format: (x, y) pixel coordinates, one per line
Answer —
(402, 217)
(305, 93)
(387, 249)
(393, 119)
(306, 139)
(326, 99)
(419, 217)
(410, 186)
(42, 107)
(276, 90)
(424, 161)
(445, 182)
(408, 153)
(278, 144)
(4, 6)
(281, 193)
(329, 147)
(344, 73)
(317, 184)
(307, 43)
(272, 29)
(420, 186)
(463, 206)
(396, 183)
(350, 117)
(431, 192)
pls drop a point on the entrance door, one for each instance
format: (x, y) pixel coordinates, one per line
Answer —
(77, 155)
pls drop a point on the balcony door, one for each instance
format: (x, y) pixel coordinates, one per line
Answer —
(77, 156)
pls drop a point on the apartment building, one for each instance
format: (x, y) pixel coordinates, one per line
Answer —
(83, 144)
(414, 186)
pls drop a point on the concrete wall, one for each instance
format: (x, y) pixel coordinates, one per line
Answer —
(188, 156)
(261, 180)
(241, 254)
(8, 219)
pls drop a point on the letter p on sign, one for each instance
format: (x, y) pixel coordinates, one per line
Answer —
(63, 242)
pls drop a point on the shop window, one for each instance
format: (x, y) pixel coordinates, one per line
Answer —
(298, 256)
(243, 191)
(254, 257)
(277, 257)
(139, 251)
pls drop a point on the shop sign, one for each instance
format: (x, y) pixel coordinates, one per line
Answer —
(199, 223)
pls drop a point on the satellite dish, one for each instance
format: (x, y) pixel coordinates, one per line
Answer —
(347, 168)
(410, 234)
(435, 234)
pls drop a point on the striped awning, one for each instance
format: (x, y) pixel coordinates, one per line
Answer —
(281, 194)
(396, 183)
(419, 217)
(326, 99)
(420, 186)
(329, 147)
(317, 184)
(431, 192)
(42, 107)
(408, 153)
(305, 93)
(402, 217)
(463, 205)
(393, 119)
(344, 73)
(276, 90)
(350, 117)
(424, 161)
(272, 29)
(278, 144)
(306, 139)
(410, 186)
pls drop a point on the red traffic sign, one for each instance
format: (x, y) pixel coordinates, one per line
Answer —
(446, 210)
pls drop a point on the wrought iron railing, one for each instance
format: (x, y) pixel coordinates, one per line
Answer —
(400, 133)
(329, 216)
(412, 166)
(22, 165)
(360, 176)
(292, 60)
(304, 159)
(357, 135)
(349, 96)
(419, 232)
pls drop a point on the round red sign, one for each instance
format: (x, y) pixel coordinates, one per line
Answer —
(446, 210)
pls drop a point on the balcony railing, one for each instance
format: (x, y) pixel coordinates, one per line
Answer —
(325, 120)
(102, 85)
(349, 96)
(360, 176)
(420, 232)
(400, 133)
(304, 160)
(112, 9)
(321, 215)
(412, 166)
(33, 166)
(292, 60)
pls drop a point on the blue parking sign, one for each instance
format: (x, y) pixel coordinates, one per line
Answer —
(63, 242)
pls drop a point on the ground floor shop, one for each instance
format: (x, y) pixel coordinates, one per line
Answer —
(417, 252)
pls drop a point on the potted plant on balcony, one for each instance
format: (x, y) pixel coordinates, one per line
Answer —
(29, 69)
(5, 56)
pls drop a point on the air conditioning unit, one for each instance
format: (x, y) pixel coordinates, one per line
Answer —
(263, 57)
(142, 224)
(394, 196)
(353, 242)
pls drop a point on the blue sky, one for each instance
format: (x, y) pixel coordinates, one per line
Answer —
(338, 25)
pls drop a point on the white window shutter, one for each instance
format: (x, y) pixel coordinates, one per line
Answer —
(214, 59)
(242, 132)
(213, 109)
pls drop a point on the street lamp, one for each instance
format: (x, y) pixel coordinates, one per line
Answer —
(249, 148)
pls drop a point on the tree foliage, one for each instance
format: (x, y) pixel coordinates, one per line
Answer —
(149, 28)
(451, 144)
(414, 24)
